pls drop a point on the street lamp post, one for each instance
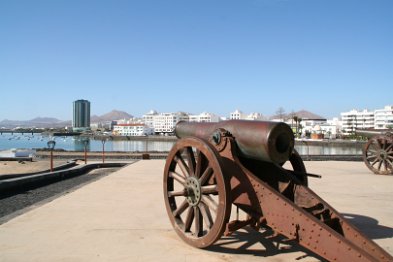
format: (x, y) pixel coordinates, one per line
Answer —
(103, 140)
(85, 143)
(51, 145)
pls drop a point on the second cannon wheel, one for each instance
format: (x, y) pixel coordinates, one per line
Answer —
(378, 154)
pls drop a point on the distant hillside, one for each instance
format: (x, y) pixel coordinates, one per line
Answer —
(113, 115)
(308, 115)
(50, 122)
(39, 122)
(304, 114)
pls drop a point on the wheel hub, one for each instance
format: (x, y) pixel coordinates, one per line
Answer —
(383, 155)
(193, 189)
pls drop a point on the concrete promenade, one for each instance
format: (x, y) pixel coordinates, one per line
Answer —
(122, 217)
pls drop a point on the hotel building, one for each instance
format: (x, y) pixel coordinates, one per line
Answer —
(204, 117)
(132, 130)
(377, 119)
(239, 115)
(383, 118)
(81, 115)
(163, 123)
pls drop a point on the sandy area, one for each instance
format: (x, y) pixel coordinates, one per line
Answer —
(15, 167)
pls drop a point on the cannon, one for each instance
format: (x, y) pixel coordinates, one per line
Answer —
(240, 164)
(378, 151)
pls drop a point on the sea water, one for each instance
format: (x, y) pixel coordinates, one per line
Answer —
(75, 143)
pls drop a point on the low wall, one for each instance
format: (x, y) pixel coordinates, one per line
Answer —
(28, 181)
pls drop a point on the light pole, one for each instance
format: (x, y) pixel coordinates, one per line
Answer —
(51, 145)
(85, 143)
(103, 140)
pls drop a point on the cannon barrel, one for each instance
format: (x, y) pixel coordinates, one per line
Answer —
(370, 132)
(262, 140)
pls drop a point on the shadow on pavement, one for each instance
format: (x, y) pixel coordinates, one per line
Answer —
(247, 241)
(369, 226)
(265, 244)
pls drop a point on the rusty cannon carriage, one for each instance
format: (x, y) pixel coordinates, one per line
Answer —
(216, 166)
(378, 151)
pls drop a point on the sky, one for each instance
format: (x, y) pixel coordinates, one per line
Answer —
(324, 56)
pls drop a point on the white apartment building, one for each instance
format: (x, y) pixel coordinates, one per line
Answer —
(254, 116)
(237, 115)
(383, 118)
(308, 125)
(135, 129)
(163, 122)
(107, 125)
(148, 118)
(204, 117)
(330, 128)
(355, 119)
(240, 115)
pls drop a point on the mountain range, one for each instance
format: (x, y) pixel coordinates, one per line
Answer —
(41, 122)
(304, 114)
(36, 122)
(113, 115)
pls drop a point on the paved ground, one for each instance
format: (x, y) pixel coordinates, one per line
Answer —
(13, 204)
(122, 218)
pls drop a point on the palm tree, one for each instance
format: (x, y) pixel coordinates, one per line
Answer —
(281, 113)
(295, 118)
(299, 119)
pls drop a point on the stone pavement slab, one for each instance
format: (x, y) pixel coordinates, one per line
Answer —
(122, 217)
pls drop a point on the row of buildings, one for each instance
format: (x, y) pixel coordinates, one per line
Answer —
(316, 127)
(303, 126)
(367, 119)
(158, 123)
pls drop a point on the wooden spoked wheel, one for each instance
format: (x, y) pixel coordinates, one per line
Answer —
(298, 167)
(196, 192)
(378, 154)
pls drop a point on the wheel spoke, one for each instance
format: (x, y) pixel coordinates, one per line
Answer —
(371, 157)
(207, 217)
(206, 175)
(198, 221)
(372, 151)
(385, 144)
(183, 166)
(380, 145)
(210, 189)
(383, 165)
(390, 164)
(209, 202)
(189, 219)
(379, 165)
(198, 164)
(190, 160)
(374, 162)
(181, 208)
(390, 145)
(177, 193)
(179, 178)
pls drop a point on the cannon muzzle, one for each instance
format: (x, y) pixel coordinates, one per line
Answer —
(262, 140)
